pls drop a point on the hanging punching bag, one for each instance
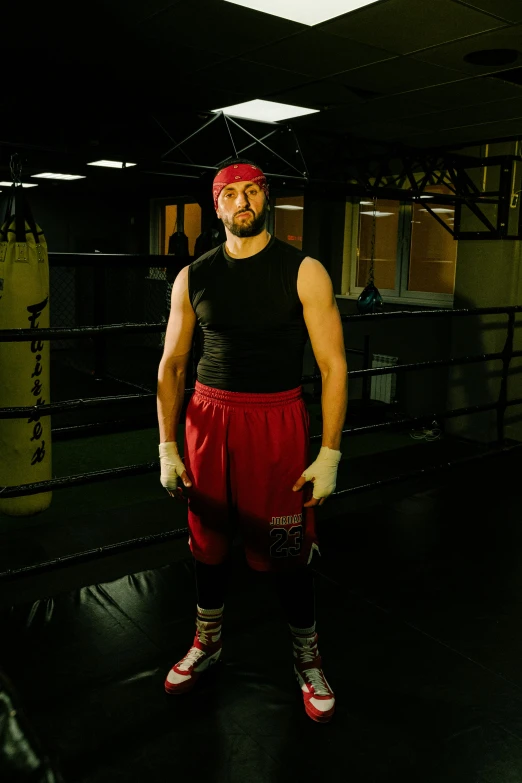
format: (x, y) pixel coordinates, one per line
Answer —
(370, 300)
(178, 247)
(25, 444)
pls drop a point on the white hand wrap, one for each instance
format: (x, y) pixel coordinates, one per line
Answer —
(172, 467)
(324, 469)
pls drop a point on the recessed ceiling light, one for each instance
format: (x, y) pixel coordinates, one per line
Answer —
(57, 176)
(305, 13)
(493, 57)
(24, 184)
(111, 164)
(265, 111)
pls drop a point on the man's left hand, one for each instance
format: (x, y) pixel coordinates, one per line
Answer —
(323, 474)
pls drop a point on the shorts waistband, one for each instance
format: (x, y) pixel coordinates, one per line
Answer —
(247, 398)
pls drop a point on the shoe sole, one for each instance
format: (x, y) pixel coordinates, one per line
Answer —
(322, 719)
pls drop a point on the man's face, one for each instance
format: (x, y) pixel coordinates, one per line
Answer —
(243, 209)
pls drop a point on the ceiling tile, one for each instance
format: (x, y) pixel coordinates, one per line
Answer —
(161, 63)
(328, 120)
(472, 115)
(133, 11)
(465, 135)
(468, 92)
(317, 95)
(392, 107)
(403, 26)
(452, 54)
(318, 54)
(510, 10)
(389, 131)
(207, 25)
(204, 97)
(397, 75)
(242, 76)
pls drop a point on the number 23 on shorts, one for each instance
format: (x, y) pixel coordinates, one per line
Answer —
(286, 541)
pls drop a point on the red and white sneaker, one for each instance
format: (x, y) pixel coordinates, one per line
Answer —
(204, 653)
(318, 697)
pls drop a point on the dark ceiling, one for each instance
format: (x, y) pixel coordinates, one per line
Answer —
(130, 78)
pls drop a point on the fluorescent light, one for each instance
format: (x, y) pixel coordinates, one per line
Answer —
(288, 206)
(378, 214)
(24, 184)
(440, 210)
(305, 13)
(57, 176)
(265, 111)
(111, 164)
(367, 203)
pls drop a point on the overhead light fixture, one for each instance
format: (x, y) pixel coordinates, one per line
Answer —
(291, 207)
(111, 164)
(305, 13)
(367, 203)
(24, 184)
(440, 210)
(493, 57)
(378, 214)
(265, 111)
(57, 176)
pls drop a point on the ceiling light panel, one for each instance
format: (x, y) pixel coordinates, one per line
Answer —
(265, 111)
(304, 13)
(111, 164)
(57, 176)
(24, 184)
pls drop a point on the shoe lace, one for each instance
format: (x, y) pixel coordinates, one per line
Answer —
(192, 657)
(314, 675)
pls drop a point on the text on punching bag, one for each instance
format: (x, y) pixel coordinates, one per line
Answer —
(35, 312)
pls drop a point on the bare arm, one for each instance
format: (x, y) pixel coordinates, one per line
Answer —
(325, 329)
(173, 364)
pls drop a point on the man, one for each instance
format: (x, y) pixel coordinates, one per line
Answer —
(256, 300)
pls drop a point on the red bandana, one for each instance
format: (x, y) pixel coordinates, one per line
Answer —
(238, 172)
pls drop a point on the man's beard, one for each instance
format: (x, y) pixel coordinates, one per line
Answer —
(247, 227)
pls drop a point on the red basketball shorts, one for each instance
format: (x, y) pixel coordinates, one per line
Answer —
(243, 454)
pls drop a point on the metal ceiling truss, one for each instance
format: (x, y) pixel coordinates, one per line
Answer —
(368, 169)
(278, 130)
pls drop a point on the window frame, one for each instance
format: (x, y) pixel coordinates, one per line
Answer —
(400, 294)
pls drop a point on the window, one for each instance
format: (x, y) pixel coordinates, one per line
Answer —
(386, 236)
(288, 220)
(415, 256)
(433, 251)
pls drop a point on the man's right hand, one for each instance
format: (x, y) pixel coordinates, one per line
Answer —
(172, 469)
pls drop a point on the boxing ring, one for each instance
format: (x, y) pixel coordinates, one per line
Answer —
(84, 667)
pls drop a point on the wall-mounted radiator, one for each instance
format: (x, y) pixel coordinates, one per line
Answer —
(384, 386)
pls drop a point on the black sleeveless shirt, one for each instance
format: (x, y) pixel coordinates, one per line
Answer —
(250, 319)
